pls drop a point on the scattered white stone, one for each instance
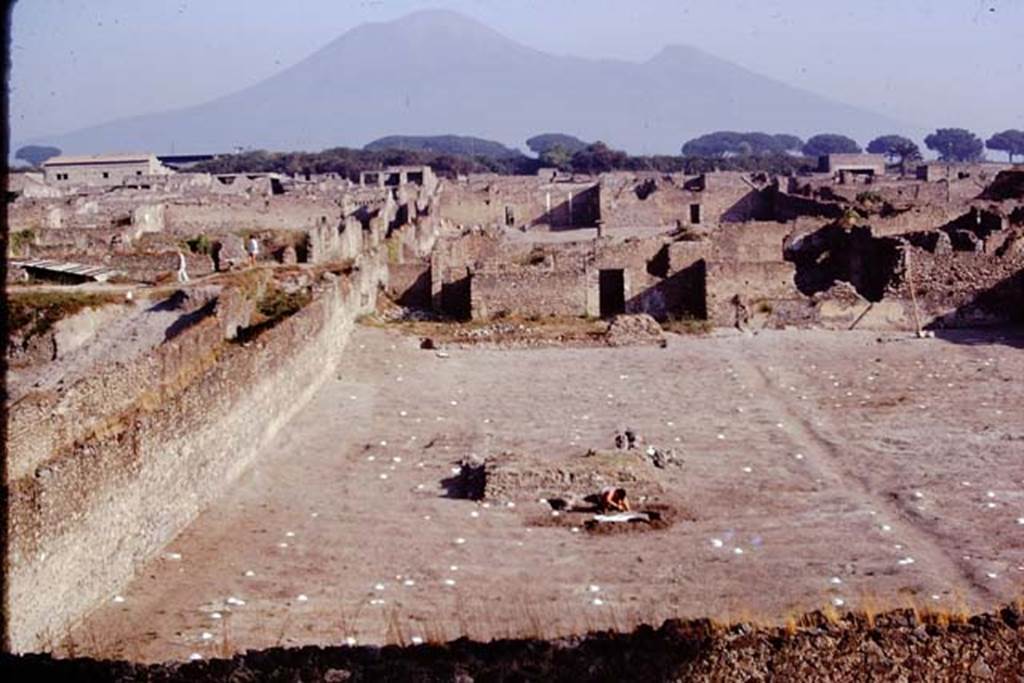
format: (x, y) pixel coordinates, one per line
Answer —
(302, 597)
(350, 641)
(235, 601)
(194, 657)
(377, 601)
(737, 551)
(456, 470)
(717, 542)
(748, 470)
(510, 504)
(721, 436)
(383, 443)
(397, 458)
(992, 575)
(378, 586)
(206, 635)
(575, 529)
(554, 513)
(990, 494)
(449, 582)
(173, 556)
(416, 640)
(594, 588)
(383, 475)
(918, 494)
(1020, 520)
(886, 527)
(314, 515)
(905, 561)
(936, 596)
(408, 582)
(216, 615)
(990, 505)
(455, 403)
(290, 534)
(474, 513)
(249, 572)
(799, 456)
(371, 458)
(402, 413)
(453, 568)
(426, 517)
(118, 598)
(460, 541)
(835, 580)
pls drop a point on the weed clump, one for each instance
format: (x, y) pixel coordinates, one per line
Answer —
(275, 306)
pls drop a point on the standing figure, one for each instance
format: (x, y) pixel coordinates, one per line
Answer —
(182, 272)
(253, 249)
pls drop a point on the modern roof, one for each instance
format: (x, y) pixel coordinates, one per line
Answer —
(140, 157)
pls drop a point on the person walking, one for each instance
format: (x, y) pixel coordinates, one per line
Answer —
(182, 268)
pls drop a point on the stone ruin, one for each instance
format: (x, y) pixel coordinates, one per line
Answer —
(196, 371)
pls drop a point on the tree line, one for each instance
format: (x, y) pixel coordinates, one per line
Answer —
(451, 155)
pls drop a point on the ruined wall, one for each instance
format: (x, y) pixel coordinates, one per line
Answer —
(963, 289)
(105, 472)
(651, 199)
(233, 214)
(545, 289)
(760, 285)
(516, 201)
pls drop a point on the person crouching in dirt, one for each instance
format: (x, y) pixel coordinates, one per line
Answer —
(613, 499)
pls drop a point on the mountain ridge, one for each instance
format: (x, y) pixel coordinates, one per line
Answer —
(437, 72)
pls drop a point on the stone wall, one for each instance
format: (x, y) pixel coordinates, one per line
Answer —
(515, 201)
(104, 473)
(758, 284)
(233, 214)
(529, 290)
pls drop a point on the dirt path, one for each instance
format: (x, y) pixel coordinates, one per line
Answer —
(825, 455)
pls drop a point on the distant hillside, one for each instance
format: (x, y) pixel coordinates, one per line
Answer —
(445, 144)
(440, 72)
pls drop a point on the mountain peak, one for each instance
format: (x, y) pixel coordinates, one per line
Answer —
(676, 53)
(437, 71)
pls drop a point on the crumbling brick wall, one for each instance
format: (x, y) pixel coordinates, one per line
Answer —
(105, 473)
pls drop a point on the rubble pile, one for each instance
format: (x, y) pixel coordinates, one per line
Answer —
(629, 330)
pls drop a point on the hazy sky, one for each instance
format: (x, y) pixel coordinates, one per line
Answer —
(928, 62)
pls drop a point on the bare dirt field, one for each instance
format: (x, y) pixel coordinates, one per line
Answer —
(854, 469)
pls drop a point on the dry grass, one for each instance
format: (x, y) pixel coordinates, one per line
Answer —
(687, 325)
(32, 313)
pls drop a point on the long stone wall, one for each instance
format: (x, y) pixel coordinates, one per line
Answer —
(95, 493)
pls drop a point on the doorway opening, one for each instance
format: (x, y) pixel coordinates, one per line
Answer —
(612, 292)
